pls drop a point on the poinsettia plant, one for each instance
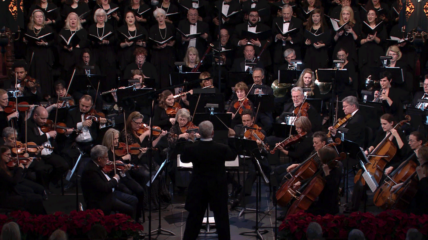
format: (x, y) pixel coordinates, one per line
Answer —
(387, 225)
(76, 224)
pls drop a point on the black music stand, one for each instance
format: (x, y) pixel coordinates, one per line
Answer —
(288, 76)
(85, 83)
(234, 77)
(396, 73)
(419, 118)
(264, 103)
(352, 149)
(281, 130)
(190, 78)
(371, 112)
(367, 96)
(316, 102)
(202, 97)
(71, 173)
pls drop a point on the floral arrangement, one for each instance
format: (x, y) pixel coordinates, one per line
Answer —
(387, 225)
(76, 224)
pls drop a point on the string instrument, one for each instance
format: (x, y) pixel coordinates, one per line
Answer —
(66, 101)
(254, 133)
(172, 111)
(310, 191)
(12, 106)
(288, 141)
(380, 156)
(156, 131)
(203, 57)
(302, 110)
(339, 123)
(240, 105)
(401, 197)
(20, 159)
(120, 166)
(30, 147)
(30, 82)
(263, 49)
(60, 128)
(121, 150)
(94, 115)
(190, 128)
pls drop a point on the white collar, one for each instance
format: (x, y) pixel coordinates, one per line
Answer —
(206, 139)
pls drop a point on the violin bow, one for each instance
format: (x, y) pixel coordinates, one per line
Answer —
(221, 121)
(240, 104)
(96, 95)
(16, 147)
(298, 113)
(26, 140)
(56, 114)
(196, 107)
(69, 84)
(16, 96)
(114, 157)
(126, 133)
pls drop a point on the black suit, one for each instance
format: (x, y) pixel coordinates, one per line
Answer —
(201, 44)
(297, 39)
(355, 129)
(234, 19)
(208, 185)
(417, 96)
(74, 117)
(239, 65)
(313, 115)
(262, 6)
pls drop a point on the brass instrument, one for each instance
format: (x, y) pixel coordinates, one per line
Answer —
(377, 98)
(325, 87)
(372, 84)
(422, 106)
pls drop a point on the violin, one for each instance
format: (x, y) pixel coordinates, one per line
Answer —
(119, 166)
(60, 128)
(288, 141)
(94, 115)
(22, 107)
(172, 111)
(242, 104)
(67, 102)
(254, 133)
(339, 123)
(30, 82)
(121, 150)
(302, 110)
(156, 131)
(18, 160)
(30, 147)
(189, 127)
(380, 156)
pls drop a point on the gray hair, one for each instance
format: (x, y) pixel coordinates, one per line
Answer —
(58, 235)
(159, 11)
(314, 231)
(206, 129)
(10, 231)
(288, 52)
(297, 89)
(351, 100)
(261, 70)
(287, 6)
(183, 112)
(413, 234)
(356, 234)
(7, 131)
(98, 12)
(98, 151)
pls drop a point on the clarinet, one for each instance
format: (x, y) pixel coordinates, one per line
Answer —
(263, 49)
(203, 57)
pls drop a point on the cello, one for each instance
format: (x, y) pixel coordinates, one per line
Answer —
(380, 156)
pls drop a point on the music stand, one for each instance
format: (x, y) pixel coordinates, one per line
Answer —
(396, 73)
(234, 77)
(70, 175)
(190, 78)
(352, 149)
(263, 103)
(203, 96)
(316, 102)
(281, 130)
(371, 112)
(288, 76)
(418, 117)
(124, 97)
(368, 96)
(85, 83)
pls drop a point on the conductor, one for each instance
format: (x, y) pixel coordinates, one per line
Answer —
(209, 184)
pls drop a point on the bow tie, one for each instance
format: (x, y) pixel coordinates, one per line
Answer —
(254, 1)
(286, 21)
(225, 3)
(193, 24)
(252, 25)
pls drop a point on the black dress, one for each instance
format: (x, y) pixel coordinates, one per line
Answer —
(110, 19)
(51, 12)
(82, 10)
(143, 11)
(347, 42)
(172, 13)
(69, 60)
(41, 58)
(161, 119)
(317, 58)
(126, 54)
(163, 59)
(104, 54)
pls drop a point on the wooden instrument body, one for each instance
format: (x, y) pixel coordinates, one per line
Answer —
(308, 196)
(339, 123)
(286, 193)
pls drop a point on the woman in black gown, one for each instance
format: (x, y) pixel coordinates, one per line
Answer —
(130, 36)
(79, 7)
(171, 10)
(372, 45)
(40, 38)
(51, 11)
(4, 117)
(112, 12)
(316, 46)
(163, 52)
(307, 80)
(103, 41)
(143, 12)
(161, 118)
(398, 61)
(307, 9)
(347, 37)
(72, 39)
(350, 87)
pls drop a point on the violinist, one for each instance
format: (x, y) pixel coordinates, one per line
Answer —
(48, 156)
(387, 123)
(100, 190)
(77, 118)
(4, 117)
(26, 85)
(242, 102)
(355, 126)
(166, 103)
(239, 131)
(13, 196)
(127, 184)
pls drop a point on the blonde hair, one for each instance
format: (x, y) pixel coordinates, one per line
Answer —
(205, 75)
(67, 24)
(98, 12)
(396, 49)
(108, 137)
(31, 23)
(351, 12)
(300, 82)
(194, 51)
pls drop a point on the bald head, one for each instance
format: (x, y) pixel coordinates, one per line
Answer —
(40, 115)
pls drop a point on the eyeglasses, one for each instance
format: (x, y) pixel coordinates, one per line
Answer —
(138, 123)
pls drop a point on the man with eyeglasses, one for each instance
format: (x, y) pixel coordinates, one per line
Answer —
(421, 95)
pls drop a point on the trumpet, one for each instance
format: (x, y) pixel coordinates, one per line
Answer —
(422, 105)
(379, 94)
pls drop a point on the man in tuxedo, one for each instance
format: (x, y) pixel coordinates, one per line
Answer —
(291, 40)
(47, 140)
(99, 190)
(202, 6)
(239, 37)
(240, 64)
(261, 6)
(228, 8)
(191, 25)
(208, 184)
(420, 95)
(259, 88)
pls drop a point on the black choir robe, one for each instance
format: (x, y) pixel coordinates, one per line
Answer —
(317, 58)
(68, 59)
(82, 10)
(297, 39)
(201, 44)
(126, 54)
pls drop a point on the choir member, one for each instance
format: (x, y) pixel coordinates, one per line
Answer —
(382, 9)
(140, 63)
(141, 10)
(103, 40)
(171, 10)
(163, 52)
(336, 11)
(80, 7)
(261, 6)
(316, 49)
(203, 7)
(131, 36)
(230, 12)
(240, 64)
(226, 49)
(51, 11)
(112, 12)
(40, 38)
(307, 9)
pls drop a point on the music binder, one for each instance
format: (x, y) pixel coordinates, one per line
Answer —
(112, 10)
(162, 42)
(188, 35)
(314, 37)
(38, 38)
(287, 32)
(100, 38)
(130, 38)
(258, 35)
(336, 26)
(141, 13)
(371, 31)
(51, 10)
(73, 40)
(83, 15)
(170, 14)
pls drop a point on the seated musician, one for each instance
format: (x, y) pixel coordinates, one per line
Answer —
(127, 184)
(86, 61)
(134, 123)
(5, 117)
(100, 190)
(27, 85)
(166, 103)
(307, 80)
(421, 95)
(239, 131)
(12, 195)
(352, 85)
(289, 56)
(390, 97)
(46, 139)
(397, 61)
(239, 104)
(419, 205)
(89, 127)
(61, 92)
(355, 126)
(240, 64)
(140, 63)
(259, 88)
(396, 137)
(191, 60)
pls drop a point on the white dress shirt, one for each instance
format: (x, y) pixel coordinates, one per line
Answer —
(46, 151)
(192, 42)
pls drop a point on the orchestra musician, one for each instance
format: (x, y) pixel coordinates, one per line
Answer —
(397, 61)
(140, 63)
(100, 190)
(86, 60)
(4, 117)
(421, 95)
(390, 97)
(239, 104)
(307, 80)
(191, 59)
(208, 184)
(353, 84)
(27, 86)
(418, 205)
(12, 194)
(240, 64)
(161, 118)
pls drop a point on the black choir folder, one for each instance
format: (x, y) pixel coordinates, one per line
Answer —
(314, 37)
(335, 24)
(286, 33)
(73, 40)
(133, 38)
(100, 38)
(188, 35)
(162, 42)
(45, 37)
(83, 15)
(258, 35)
(112, 10)
(371, 31)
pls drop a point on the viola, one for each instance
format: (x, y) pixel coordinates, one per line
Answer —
(22, 107)
(254, 133)
(156, 131)
(120, 166)
(380, 156)
(30, 82)
(60, 128)
(18, 160)
(172, 111)
(66, 103)
(30, 147)
(121, 150)
(189, 127)
(243, 104)
(302, 110)
(288, 141)
(339, 123)
(94, 115)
